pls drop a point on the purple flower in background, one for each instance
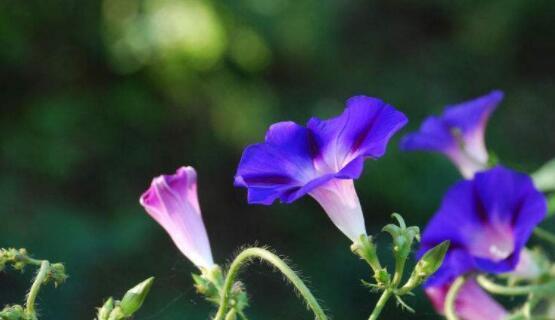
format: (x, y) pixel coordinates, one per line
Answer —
(488, 221)
(321, 160)
(172, 201)
(458, 133)
(472, 303)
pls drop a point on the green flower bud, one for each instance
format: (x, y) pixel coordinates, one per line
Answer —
(432, 259)
(231, 315)
(57, 274)
(402, 236)
(105, 310)
(425, 267)
(15, 312)
(134, 298)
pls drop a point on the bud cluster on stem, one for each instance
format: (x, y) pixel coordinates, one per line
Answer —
(128, 305)
(19, 259)
(403, 238)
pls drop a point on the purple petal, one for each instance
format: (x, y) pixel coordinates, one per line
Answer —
(470, 115)
(363, 130)
(280, 166)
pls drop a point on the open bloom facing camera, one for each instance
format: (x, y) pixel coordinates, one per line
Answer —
(321, 160)
(172, 201)
(458, 133)
(488, 221)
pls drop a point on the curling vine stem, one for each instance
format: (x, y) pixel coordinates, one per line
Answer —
(449, 306)
(545, 288)
(35, 288)
(545, 235)
(258, 253)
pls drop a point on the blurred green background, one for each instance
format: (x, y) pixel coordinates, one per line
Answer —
(97, 97)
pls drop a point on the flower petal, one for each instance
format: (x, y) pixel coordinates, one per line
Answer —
(363, 130)
(472, 303)
(458, 133)
(278, 167)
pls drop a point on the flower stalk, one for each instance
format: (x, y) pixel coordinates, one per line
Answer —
(259, 253)
(35, 288)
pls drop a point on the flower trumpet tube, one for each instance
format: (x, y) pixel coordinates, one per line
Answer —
(321, 160)
(172, 201)
(458, 133)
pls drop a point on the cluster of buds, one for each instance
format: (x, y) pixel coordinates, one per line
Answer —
(128, 305)
(17, 258)
(15, 312)
(403, 239)
(210, 284)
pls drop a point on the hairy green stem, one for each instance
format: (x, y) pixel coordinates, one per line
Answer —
(258, 253)
(35, 288)
(545, 235)
(380, 304)
(451, 297)
(543, 289)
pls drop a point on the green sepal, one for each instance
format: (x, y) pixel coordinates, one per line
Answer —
(104, 311)
(402, 236)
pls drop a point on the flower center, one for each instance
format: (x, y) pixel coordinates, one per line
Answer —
(494, 243)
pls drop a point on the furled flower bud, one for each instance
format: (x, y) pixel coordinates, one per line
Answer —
(134, 298)
(172, 201)
(105, 310)
(14, 312)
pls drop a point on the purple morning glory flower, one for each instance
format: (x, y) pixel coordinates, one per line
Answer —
(458, 133)
(488, 220)
(321, 160)
(172, 201)
(472, 303)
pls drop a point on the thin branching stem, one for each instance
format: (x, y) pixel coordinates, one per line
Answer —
(380, 304)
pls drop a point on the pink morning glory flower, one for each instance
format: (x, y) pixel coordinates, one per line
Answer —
(458, 133)
(472, 303)
(172, 201)
(321, 160)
